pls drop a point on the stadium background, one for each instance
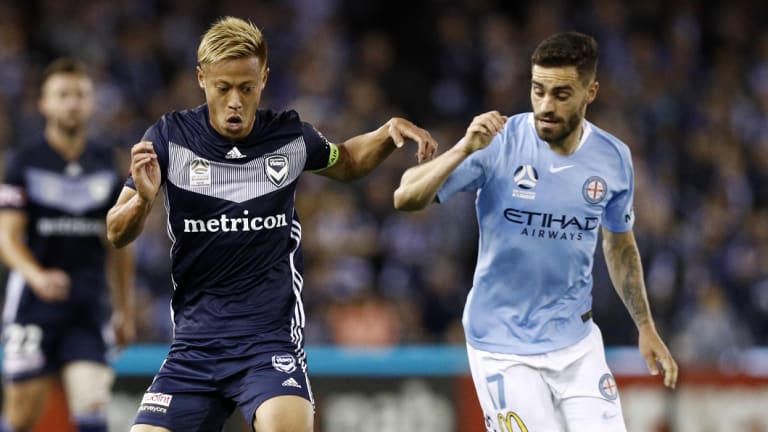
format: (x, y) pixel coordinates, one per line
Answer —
(684, 83)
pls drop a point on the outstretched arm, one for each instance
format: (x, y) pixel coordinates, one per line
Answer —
(361, 154)
(126, 218)
(419, 184)
(626, 271)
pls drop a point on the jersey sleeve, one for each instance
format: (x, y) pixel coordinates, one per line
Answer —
(12, 191)
(158, 136)
(619, 215)
(470, 175)
(321, 153)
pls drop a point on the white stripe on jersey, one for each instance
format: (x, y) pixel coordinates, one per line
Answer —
(167, 204)
(168, 227)
(13, 296)
(235, 182)
(298, 320)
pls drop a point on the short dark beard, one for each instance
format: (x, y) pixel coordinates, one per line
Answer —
(570, 125)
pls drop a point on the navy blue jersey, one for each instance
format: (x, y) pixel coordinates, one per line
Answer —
(236, 255)
(66, 203)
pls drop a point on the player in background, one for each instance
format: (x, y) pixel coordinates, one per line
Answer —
(229, 172)
(56, 321)
(546, 182)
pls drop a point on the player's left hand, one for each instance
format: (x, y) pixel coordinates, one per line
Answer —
(656, 353)
(400, 129)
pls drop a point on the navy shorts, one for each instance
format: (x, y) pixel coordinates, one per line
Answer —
(40, 338)
(200, 384)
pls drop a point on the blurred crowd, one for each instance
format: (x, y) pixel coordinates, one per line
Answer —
(683, 83)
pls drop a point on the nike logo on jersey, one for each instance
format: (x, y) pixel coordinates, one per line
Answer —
(234, 154)
(553, 169)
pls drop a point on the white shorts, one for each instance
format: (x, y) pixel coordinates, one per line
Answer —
(567, 390)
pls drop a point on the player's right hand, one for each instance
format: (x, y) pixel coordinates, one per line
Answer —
(145, 170)
(482, 130)
(124, 326)
(50, 285)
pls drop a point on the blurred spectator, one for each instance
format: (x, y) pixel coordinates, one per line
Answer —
(711, 332)
(365, 320)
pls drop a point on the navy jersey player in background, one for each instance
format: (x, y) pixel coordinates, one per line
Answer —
(546, 182)
(53, 201)
(229, 172)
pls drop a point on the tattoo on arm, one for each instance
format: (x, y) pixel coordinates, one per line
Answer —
(624, 257)
(633, 286)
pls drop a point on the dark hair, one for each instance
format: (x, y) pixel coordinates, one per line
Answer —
(569, 49)
(66, 65)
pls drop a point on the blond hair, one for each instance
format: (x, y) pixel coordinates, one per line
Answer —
(231, 38)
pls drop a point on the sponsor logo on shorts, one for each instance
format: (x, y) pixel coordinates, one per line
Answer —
(18, 364)
(290, 382)
(608, 387)
(161, 399)
(156, 403)
(284, 363)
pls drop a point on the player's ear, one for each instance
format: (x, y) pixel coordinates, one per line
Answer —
(592, 91)
(264, 78)
(200, 77)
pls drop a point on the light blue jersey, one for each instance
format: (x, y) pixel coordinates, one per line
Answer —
(539, 215)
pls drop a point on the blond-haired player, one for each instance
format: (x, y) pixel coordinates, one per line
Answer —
(229, 171)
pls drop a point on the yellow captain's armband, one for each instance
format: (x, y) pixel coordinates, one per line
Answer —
(333, 157)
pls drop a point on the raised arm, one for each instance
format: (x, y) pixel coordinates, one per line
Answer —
(626, 272)
(419, 184)
(126, 218)
(359, 155)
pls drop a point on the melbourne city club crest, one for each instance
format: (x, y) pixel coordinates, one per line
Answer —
(594, 189)
(276, 168)
(608, 388)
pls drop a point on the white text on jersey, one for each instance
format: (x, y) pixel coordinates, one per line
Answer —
(228, 224)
